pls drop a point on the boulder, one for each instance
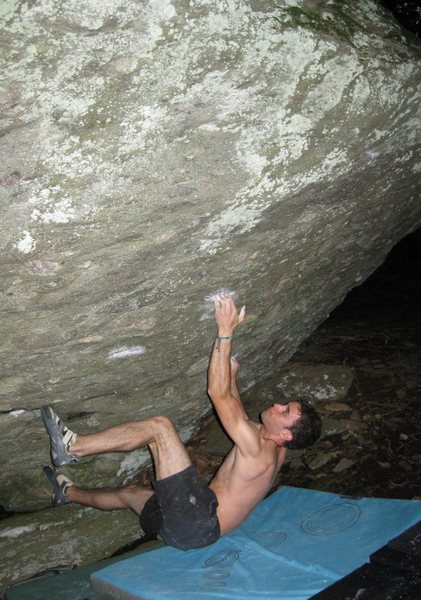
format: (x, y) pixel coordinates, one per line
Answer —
(155, 151)
(55, 540)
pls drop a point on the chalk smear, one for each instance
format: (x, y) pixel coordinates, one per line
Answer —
(125, 352)
(214, 295)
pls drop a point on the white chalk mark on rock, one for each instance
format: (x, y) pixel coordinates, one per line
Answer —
(125, 352)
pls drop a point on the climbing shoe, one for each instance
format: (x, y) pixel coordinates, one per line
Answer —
(61, 438)
(61, 484)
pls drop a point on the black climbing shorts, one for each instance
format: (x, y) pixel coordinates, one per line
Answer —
(182, 511)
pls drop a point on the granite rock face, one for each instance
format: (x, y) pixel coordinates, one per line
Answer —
(153, 152)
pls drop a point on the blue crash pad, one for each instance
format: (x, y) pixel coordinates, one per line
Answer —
(294, 544)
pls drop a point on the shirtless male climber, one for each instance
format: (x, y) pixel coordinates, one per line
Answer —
(182, 510)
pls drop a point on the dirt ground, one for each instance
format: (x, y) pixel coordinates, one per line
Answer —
(376, 332)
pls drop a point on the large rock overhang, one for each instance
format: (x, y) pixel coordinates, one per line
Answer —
(153, 152)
